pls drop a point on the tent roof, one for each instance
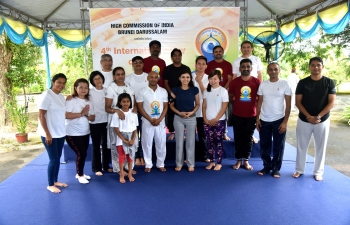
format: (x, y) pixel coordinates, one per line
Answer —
(73, 14)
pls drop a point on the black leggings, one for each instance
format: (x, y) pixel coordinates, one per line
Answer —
(99, 138)
(79, 144)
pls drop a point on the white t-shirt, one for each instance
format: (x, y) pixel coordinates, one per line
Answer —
(273, 105)
(113, 91)
(214, 100)
(257, 65)
(55, 106)
(153, 101)
(78, 126)
(129, 124)
(205, 82)
(293, 80)
(97, 98)
(108, 78)
(137, 81)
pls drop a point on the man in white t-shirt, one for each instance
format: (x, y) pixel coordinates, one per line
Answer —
(293, 81)
(273, 109)
(106, 65)
(152, 103)
(138, 80)
(247, 49)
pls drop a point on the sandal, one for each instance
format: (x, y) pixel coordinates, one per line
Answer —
(318, 178)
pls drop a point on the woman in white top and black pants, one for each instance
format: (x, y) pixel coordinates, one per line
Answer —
(51, 128)
(98, 127)
(79, 111)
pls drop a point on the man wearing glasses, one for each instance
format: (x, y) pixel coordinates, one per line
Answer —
(138, 80)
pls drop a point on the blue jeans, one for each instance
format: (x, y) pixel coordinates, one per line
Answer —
(54, 151)
(269, 130)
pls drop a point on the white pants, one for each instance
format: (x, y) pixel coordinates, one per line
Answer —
(159, 134)
(304, 132)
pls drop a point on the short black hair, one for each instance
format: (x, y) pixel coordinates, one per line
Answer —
(155, 42)
(117, 68)
(137, 58)
(202, 57)
(93, 74)
(121, 97)
(316, 59)
(218, 46)
(175, 50)
(245, 61)
(247, 42)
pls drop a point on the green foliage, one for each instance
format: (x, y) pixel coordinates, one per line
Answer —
(18, 114)
(346, 114)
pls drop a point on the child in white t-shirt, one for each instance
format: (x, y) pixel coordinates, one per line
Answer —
(215, 102)
(126, 130)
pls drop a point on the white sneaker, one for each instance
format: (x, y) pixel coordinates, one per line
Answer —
(85, 176)
(82, 180)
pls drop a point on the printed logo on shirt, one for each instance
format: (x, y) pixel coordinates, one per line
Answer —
(245, 94)
(156, 69)
(155, 108)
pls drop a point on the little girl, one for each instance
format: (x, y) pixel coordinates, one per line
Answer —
(126, 131)
(215, 102)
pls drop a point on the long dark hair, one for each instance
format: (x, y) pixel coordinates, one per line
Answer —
(76, 84)
(121, 97)
(190, 84)
(212, 74)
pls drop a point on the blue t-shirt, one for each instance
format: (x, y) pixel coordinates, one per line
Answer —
(185, 99)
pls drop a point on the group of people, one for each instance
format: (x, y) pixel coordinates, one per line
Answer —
(125, 114)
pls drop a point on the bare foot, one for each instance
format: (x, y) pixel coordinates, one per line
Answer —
(133, 172)
(226, 137)
(247, 166)
(99, 173)
(210, 166)
(110, 170)
(296, 174)
(178, 168)
(255, 140)
(122, 180)
(171, 137)
(190, 169)
(60, 184)
(131, 178)
(237, 165)
(147, 170)
(218, 167)
(207, 160)
(318, 178)
(162, 169)
(53, 189)
(143, 162)
(137, 162)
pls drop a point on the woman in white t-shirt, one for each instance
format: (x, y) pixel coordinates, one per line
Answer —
(79, 111)
(113, 91)
(51, 128)
(126, 134)
(215, 102)
(98, 127)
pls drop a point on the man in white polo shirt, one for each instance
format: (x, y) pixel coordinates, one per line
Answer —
(106, 64)
(152, 103)
(273, 108)
(247, 49)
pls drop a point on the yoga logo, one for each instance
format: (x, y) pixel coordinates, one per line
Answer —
(207, 39)
(245, 94)
(155, 111)
(221, 71)
(156, 69)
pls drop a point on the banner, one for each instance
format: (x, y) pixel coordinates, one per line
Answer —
(126, 32)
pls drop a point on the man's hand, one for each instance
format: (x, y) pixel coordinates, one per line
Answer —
(121, 115)
(282, 128)
(258, 125)
(313, 120)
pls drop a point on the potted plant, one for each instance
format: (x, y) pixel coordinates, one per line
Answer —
(19, 117)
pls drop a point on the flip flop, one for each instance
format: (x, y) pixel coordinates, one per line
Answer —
(276, 174)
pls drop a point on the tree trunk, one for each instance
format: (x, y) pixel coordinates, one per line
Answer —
(5, 84)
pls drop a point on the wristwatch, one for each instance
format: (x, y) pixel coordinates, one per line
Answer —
(318, 117)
